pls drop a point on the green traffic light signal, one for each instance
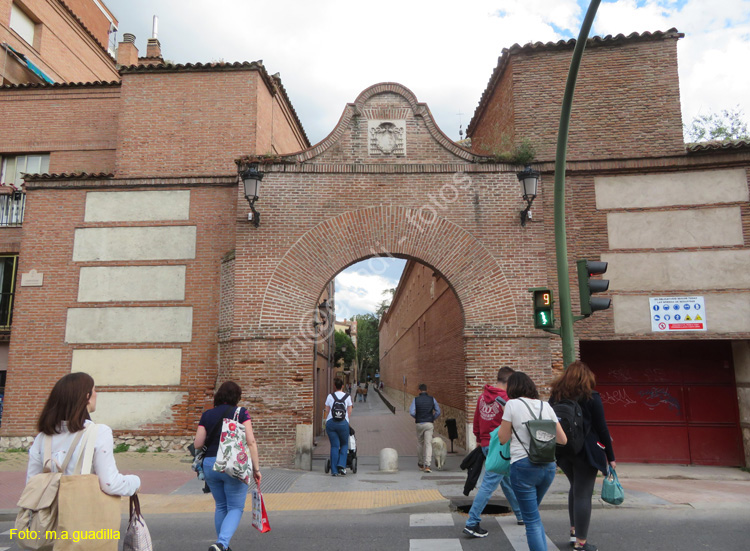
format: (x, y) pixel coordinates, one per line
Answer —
(544, 316)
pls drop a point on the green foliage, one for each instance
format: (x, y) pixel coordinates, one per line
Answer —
(507, 151)
(385, 304)
(119, 448)
(343, 341)
(368, 344)
(142, 449)
(15, 450)
(728, 124)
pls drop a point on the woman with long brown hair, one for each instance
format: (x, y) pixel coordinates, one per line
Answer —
(66, 413)
(577, 383)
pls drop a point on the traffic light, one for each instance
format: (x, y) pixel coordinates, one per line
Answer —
(588, 286)
(544, 316)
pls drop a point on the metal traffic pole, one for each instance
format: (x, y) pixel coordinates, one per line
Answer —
(561, 246)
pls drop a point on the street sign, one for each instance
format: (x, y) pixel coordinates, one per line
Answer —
(670, 314)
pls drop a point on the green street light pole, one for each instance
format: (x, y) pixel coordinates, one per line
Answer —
(561, 245)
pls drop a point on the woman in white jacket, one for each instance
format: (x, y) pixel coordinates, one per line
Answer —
(67, 412)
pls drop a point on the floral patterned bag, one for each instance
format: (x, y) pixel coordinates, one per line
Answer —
(232, 457)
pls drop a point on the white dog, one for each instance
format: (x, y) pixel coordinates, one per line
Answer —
(439, 452)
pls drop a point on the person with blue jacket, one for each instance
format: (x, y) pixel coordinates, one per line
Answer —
(425, 409)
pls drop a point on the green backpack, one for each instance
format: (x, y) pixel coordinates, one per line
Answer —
(543, 437)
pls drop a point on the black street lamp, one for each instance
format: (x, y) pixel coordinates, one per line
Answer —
(529, 181)
(251, 179)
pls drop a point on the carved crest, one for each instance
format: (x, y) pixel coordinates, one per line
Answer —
(387, 137)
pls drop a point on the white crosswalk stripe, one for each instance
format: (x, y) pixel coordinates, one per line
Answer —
(435, 545)
(6, 533)
(431, 519)
(517, 534)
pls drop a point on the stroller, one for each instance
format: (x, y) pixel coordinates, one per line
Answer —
(351, 455)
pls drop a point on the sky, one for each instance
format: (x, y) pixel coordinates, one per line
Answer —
(328, 51)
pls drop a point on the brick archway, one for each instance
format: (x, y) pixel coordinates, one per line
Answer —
(471, 270)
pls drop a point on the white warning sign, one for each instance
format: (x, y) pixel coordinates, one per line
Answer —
(677, 314)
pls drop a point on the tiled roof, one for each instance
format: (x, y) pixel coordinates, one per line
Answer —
(59, 85)
(717, 145)
(594, 41)
(69, 176)
(270, 80)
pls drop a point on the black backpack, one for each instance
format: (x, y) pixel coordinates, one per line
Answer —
(338, 409)
(570, 415)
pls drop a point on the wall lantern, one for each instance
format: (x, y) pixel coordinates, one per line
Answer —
(323, 313)
(529, 180)
(251, 178)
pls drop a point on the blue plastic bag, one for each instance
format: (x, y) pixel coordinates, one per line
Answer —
(498, 455)
(612, 491)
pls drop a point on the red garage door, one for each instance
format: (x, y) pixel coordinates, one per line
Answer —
(669, 402)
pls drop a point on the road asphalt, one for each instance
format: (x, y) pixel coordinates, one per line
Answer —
(170, 487)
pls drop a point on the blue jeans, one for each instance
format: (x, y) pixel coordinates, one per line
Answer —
(338, 436)
(490, 482)
(230, 495)
(530, 482)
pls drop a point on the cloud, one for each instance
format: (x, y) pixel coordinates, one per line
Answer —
(360, 292)
(328, 51)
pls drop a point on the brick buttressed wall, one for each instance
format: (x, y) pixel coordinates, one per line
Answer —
(626, 102)
(39, 354)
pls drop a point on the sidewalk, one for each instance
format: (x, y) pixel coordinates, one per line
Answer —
(169, 486)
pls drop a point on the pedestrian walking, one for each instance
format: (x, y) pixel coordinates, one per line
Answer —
(530, 481)
(63, 418)
(338, 408)
(364, 392)
(577, 384)
(229, 493)
(487, 416)
(425, 409)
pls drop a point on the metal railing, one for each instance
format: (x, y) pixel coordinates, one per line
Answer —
(11, 209)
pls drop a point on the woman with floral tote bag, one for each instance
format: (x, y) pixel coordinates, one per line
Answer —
(228, 492)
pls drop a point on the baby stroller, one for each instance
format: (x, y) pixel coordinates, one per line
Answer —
(351, 455)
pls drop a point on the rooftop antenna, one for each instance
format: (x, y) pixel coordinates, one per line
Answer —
(155, 27)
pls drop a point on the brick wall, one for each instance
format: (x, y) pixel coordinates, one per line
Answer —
(79, 130)
(626, 103)
(39, 354)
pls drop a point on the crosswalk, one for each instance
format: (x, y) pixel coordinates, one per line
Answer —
(514, 533)
(5, 534)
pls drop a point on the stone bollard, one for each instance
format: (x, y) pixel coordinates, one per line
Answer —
(388, 460)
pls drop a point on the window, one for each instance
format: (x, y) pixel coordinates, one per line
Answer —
(24, 26)
(12, 204)
(14, 166)
(8, 266)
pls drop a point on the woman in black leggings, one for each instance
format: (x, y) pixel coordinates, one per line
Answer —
(577, 383)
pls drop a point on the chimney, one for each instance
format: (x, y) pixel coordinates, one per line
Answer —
(153, 47)
(127, 53)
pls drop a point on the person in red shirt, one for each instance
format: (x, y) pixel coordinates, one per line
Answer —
(487, 417)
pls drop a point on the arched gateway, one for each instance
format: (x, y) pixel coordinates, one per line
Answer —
(385, 182)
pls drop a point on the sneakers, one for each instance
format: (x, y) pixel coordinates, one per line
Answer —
(585, 547)
(427, 469)
(519, 521)
(475, 531)
(421, 467)
(217, 547)
(573, 539)
(342, 472)
(332, 474)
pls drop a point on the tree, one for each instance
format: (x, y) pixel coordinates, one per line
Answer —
(344, 348)
(368, 344)
(385, 304)
(729, 124)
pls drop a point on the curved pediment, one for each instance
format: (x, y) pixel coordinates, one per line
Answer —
(385, 125)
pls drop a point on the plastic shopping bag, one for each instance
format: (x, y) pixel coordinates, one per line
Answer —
(260, 517)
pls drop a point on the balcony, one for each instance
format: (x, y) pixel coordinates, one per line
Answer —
(12, 206)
